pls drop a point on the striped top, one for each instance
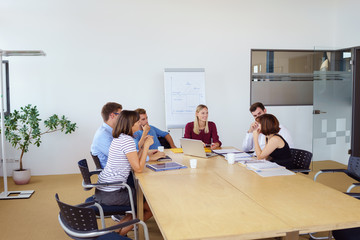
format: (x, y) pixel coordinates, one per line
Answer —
(118, 166)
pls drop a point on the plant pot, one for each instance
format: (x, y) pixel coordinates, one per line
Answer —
(21, 177)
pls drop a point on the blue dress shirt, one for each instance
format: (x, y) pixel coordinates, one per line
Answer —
(155, 132)
(101, 143)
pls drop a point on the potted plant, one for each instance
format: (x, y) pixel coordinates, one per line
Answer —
(22, 128)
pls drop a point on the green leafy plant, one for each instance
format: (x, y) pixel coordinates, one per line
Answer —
(22, 128)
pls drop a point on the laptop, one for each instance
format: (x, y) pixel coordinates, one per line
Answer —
(195, 148)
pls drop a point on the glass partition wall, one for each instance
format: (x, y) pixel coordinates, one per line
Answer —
(322, 79)
(332, 103)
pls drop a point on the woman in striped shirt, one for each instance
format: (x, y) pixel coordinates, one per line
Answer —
(123, 157)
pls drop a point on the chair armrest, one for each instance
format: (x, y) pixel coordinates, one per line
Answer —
(355, 195)
(121, 225)
(110, 184)
(95, 172)
(327, 171)
(86, 204)
(352, 186)
(301, 170)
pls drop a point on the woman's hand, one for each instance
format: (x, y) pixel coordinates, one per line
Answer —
(256, 131)
(155, 155)
(253, 127)
(214, 145)
(148, 141)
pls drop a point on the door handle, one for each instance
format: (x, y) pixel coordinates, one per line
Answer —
(318, 112)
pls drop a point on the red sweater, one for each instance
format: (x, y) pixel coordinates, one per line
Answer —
(207, 138)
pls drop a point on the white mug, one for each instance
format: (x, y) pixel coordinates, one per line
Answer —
(160, 148)
(230, 158)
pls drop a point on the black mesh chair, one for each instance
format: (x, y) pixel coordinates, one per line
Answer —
(353, 171)
(88, 185)
(301, 160)
(164, 142)
(80, 222)
(96, 161)
(350, 233)
(108, 210)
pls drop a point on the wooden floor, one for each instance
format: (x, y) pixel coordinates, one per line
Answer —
(36, 218)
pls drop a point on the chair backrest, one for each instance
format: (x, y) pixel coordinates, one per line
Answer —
(77, 218)
(301, 158)
(164, 142)
(84, 169)
(96, 161)
(354, 167)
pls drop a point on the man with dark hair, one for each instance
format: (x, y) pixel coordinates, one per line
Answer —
(257, 109)
(150, 130)
(103, 136)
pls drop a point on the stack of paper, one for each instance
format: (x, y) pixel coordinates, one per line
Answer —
(268, 169)
(226, 151)
(264, 166)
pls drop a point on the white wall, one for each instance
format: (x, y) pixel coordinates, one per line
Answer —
(116, 50)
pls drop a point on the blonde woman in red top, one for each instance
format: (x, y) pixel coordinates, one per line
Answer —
(202, 129)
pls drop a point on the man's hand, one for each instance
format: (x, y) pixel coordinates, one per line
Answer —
(146, 128)
(253, 126)
(155, 155)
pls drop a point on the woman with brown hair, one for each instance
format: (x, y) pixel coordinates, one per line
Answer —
(123, 157)
(276, 148)
(202, 129)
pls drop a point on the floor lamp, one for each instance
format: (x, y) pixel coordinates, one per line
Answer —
(11, 194)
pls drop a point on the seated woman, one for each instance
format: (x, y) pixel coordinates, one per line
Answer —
(123, 157)
(202, 129)
(276, 148)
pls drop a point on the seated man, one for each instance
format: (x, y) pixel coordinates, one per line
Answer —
(257, 109)
(103, 136)
(151, 130)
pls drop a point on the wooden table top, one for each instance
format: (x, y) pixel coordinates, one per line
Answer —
(221, 200)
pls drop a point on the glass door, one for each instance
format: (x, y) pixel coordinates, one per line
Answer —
(332, 105)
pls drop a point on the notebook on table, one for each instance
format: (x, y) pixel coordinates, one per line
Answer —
(195, 148)
(165, 166)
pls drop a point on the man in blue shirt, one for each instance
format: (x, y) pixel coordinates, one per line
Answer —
(103, 136)
(150, 130)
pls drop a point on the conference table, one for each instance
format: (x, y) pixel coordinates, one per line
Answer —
(218, 200)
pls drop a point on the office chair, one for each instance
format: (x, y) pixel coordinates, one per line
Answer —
(350, 233)
(96, 161)
(108, 210)
(301, 160)
(79, 222)
(353, 171)
(164, 142)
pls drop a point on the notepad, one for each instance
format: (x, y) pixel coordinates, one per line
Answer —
(165, 166)
(264, 166)
(226, 151)
(176, 150)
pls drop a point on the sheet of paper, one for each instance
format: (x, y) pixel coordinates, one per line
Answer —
(264, 166)
(279, 172)
(225, 151)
